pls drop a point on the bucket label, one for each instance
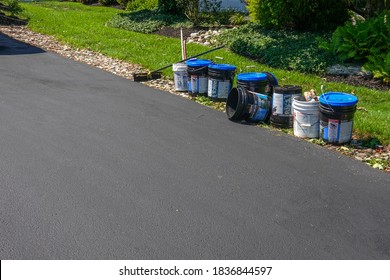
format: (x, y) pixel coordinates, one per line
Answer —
(199, 84)
(181, 81)
(333, 130)
(218, 88)
(282, 103)
(336, 131)
(259, 111)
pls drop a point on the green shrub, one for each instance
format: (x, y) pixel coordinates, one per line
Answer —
(146, 21)
(107, 2)
(11, 7)
(367, 42)
(191, 10)
(123, 3)
(379, 64)
(169, 6)
(300, 14)
(283, 49)
(369, 8)
(253, 7)
(137, 5)
(238, 19)
(221, 17)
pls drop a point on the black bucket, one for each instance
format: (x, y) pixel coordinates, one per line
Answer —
(245, 105)
(282, 113)
(252, 81)
(282, 121)
(198, 76)
(220, 81)
(337, 111)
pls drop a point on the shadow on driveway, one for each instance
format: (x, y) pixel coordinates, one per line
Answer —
(9, 46)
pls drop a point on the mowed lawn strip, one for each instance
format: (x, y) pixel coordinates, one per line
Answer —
(84, 27)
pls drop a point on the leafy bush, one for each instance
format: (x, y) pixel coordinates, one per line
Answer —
(284, 49)
(146, 21)
(107, 2)
(367, 42)
(238, 19)
(300, 14)
(222, 17)
(11, 7)
(123, 3)
(170, 6)
(369, 8)
(137, 5)
(191, 9)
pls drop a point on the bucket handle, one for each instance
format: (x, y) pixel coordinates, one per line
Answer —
(302, 125)
(326, 100)
(201, 68)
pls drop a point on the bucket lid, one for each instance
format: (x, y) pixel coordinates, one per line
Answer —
(252, 77)
(338, 99)
(225, 67)
(198, 62)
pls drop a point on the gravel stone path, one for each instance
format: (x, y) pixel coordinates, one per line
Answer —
(378, 156)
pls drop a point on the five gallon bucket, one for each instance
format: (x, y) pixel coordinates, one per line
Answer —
(220, 80)
(180, 76)
(306, 117)
(198, 76)
(252, 81)
(337, 111)
(243, 104)
(282, 113)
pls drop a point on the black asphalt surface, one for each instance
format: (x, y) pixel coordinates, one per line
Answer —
(93, 166)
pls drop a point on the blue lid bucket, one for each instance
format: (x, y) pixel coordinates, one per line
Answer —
(223, 67)
(198, 67)
(252, 77)
(338, 99)
(261, 82)
(337, 111)
(197, 70)
(220, 81)
(252, 81)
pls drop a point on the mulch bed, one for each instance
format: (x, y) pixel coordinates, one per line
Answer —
(359, 81)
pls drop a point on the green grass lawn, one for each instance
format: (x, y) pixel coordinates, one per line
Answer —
(85, 27)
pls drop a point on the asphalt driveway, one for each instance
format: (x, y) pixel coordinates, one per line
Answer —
(93, 166)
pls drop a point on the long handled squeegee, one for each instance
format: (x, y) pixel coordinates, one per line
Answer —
(156, 74)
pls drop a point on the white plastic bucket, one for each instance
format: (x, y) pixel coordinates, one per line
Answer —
(306, 118)
(180, 76)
